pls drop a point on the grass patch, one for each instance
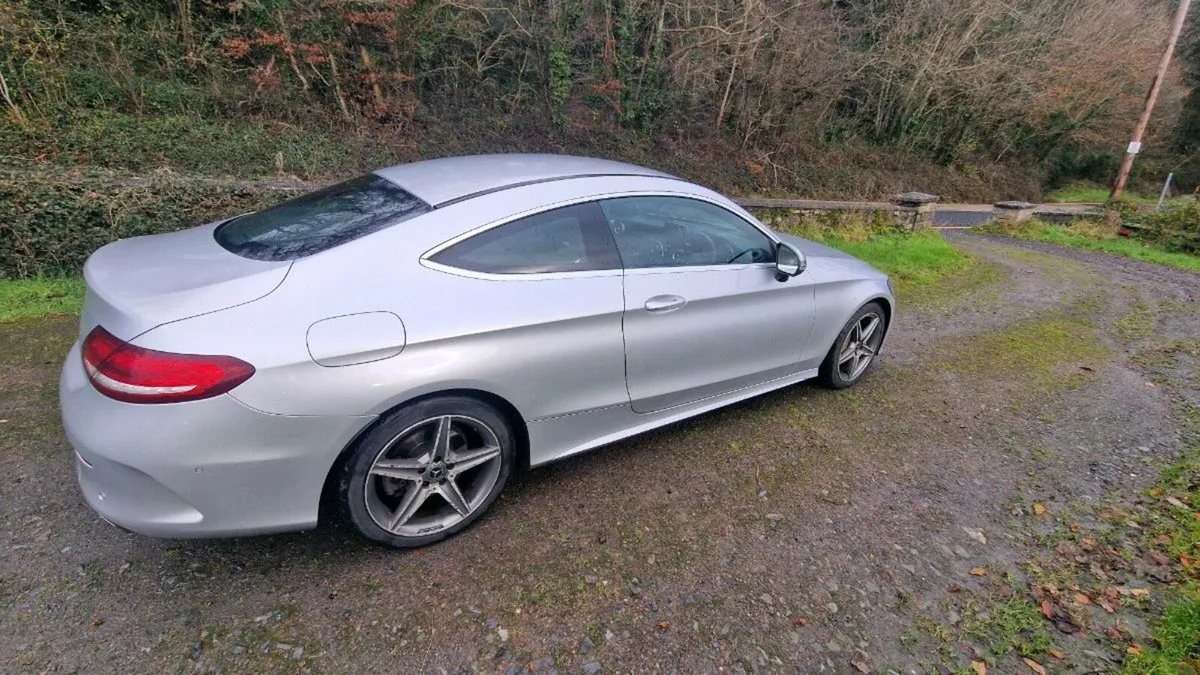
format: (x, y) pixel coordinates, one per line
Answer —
(912, 260)
(1177, 636)
(1094, 194)
(33, 298)
(1076, 193)
(1094, 237)
(1007, 625)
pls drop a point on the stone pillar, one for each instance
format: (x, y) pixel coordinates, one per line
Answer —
(1013, 211)
(916, 209)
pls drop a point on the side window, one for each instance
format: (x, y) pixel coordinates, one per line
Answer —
(571, 239)
(681, 232)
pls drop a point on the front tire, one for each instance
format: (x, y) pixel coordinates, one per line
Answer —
(854, 351)
(427, 471)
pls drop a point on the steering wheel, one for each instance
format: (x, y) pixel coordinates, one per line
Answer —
(749, 250)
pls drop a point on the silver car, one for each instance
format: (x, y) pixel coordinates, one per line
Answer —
(404, 341)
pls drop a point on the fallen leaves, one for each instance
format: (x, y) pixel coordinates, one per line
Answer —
(979, 667)
(1119, 632)
(1082, 599)
(1035, 666)
(1039, 509)
(1136, 650)
(1047, 609)
(797, 621)
(978, 572)
(663, 625)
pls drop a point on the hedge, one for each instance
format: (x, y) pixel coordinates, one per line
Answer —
(50, 224)
(1175, 228)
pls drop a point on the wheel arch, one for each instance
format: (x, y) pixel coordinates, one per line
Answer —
(511, 415)
(886, 303)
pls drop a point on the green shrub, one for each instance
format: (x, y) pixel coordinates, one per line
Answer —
(50, 224)
(124, 142)
(1175, 228)
(842, 225)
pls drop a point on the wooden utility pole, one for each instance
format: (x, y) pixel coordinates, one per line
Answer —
(1135, 145)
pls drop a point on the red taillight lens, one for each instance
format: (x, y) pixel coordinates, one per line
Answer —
(136, 375)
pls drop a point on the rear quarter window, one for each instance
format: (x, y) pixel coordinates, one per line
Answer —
(320, 220)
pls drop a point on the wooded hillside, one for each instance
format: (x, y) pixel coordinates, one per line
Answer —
(973, 98)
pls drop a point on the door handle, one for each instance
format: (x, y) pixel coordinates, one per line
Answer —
(661, 304)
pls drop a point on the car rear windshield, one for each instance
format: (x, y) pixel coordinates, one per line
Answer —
(319, 220)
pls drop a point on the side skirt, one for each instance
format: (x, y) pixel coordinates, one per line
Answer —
(555, 438)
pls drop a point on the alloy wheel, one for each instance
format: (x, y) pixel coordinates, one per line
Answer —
(433, 475)
(860, 346)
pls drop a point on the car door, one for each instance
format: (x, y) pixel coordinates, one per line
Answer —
(704, 311)
(532, 310)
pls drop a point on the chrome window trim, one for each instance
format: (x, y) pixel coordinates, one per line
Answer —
(518, 276)
(697, 268)
(538, 276)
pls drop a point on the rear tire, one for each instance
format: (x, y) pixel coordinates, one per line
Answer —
(851, 356)
(427, 471)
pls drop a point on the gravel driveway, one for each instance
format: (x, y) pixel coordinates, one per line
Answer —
(897, 526)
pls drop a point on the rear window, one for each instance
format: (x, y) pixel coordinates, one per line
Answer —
(319, 220)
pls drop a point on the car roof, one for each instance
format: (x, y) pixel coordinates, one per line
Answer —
(449, 179)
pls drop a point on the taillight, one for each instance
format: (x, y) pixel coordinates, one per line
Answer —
(137, 375)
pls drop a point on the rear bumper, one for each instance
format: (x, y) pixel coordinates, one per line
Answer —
(207, 468)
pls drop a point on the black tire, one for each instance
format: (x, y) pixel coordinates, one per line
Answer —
(830, 375)
(353, 486)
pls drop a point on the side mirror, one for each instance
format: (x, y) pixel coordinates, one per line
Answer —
(789, 261)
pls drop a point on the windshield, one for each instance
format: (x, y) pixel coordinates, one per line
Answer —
(319, 220)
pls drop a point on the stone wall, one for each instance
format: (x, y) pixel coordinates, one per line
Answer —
(910, 211)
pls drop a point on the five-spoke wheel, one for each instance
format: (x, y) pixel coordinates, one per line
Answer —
(855, 348)
(427, 470)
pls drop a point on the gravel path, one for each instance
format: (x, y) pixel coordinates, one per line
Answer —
(889, 527)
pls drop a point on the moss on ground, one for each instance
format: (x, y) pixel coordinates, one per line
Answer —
(1037, 349)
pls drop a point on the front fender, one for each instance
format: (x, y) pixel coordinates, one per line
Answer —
(837, 296)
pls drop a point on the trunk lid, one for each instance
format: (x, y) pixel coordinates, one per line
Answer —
(136, 284)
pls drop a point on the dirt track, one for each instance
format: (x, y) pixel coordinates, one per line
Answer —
(892, 526)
